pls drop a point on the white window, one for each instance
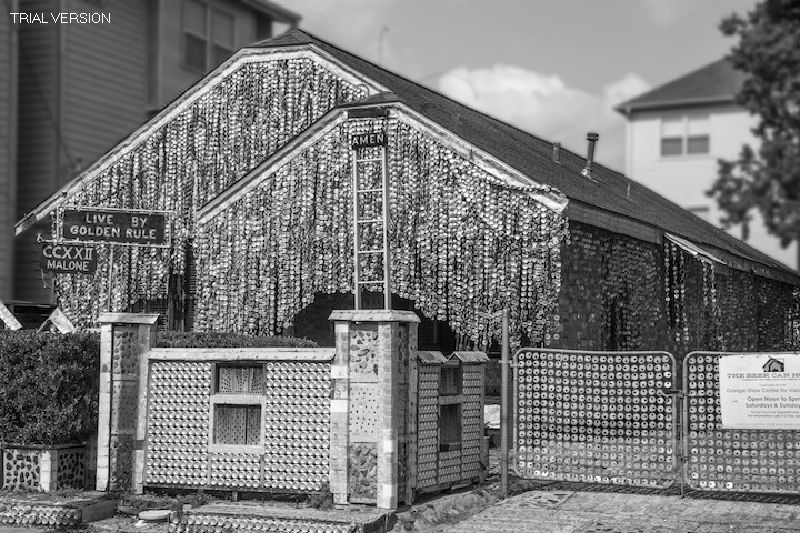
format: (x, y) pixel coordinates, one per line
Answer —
(237, 407)
(208, 36)
(686, 135)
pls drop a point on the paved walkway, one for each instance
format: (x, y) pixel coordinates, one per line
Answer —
(597, 512)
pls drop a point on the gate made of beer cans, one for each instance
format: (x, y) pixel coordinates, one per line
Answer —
(741, 460)
(598, 417)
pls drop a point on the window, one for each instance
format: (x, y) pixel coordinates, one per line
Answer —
(686, 135)
(208, 36)
(237, 403)
(237, 424)
(449, 427)
(239, 379)
(263, 27)
(221, 37)
(450, 380)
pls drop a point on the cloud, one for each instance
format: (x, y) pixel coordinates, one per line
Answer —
(665, 12)
(355, 25)
(548, 107)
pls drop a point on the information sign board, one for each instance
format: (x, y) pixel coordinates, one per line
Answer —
(760, 391)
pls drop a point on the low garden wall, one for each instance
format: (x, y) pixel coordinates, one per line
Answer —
(50, 388)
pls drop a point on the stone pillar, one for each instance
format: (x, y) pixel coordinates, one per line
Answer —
(125, 340)
(369, 373)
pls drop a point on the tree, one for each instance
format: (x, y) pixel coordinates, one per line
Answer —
(766, 178)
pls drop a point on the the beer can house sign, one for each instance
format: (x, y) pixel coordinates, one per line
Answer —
(90, 225)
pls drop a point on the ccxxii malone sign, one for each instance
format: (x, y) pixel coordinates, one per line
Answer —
(68, 258)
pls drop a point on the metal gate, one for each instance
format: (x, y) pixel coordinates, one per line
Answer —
(600, 417)
(752, 460)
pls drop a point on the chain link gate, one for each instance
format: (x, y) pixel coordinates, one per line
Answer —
(752, 460)
(598, 417)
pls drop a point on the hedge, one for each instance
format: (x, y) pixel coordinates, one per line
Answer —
(49, 382)
(48, 386)
(202, 339)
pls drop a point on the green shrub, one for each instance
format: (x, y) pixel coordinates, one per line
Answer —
(48, 386)
(205, 339)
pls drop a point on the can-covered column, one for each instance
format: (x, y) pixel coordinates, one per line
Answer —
(377, 346)
(125, 339)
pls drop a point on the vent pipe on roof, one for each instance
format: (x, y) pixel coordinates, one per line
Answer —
(587, 170)
(557, 153)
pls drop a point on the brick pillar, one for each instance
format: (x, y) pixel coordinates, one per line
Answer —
(125, 340)
(368, 377)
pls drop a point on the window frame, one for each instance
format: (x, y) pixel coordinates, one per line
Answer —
(684, 136)
(451, 400)
(210, 7)
(217, 398)
(451, 445)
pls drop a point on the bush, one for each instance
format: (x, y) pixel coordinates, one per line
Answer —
(48, 386)
(203, 339)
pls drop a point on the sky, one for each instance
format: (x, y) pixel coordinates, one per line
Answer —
(554, 68)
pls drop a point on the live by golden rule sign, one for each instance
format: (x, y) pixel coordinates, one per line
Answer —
(760, 391)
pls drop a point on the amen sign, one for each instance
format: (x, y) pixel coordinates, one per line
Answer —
(368, 140)
(124, 227)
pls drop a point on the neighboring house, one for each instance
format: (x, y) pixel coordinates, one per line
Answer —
(8, 126)
(83, 87)
(677, 132)
(262, 213)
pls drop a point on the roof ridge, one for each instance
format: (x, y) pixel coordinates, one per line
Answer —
(460, 104)
(624, 107)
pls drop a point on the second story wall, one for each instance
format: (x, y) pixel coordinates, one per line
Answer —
(8, 125)
(685, 177)
(82, 89)
(202, 18)
(103, 82)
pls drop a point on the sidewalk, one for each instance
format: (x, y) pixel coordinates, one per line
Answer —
(598, 512)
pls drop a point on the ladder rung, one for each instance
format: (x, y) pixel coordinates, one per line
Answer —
(369, 220)
(370, 160)
(371, 251)
(370, 282)
(359, 191)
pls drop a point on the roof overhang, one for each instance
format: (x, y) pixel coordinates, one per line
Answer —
(627, 108)
(694, 250)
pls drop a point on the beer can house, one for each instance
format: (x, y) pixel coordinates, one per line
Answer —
(255, 203)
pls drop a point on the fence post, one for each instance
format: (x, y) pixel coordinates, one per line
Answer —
(504, 407)
(124, 338)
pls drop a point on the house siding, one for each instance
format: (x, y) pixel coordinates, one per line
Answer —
(175, 77)
(104, 81)
(93, 78)
(8, 125)
(38, 140)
